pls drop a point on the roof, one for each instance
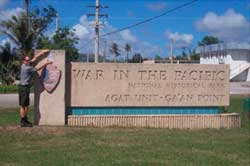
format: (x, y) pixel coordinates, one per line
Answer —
(223, 46)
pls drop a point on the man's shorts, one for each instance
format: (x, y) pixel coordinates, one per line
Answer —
(24, 95)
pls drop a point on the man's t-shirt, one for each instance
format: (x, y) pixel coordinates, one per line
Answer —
(26, 74)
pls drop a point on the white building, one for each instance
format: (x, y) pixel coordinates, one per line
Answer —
(236, 55)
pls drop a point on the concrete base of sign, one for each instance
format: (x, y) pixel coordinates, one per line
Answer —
(158, 121)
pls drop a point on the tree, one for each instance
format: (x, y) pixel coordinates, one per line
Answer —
(137, 58)
(158, 57)
(193, 55)
(24, 31)
(184, 55)
(207, 40)
(9, 64)
(62, 39)
(127, 49)
(115, 50)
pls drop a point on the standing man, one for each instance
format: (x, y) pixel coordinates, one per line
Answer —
(27, 70)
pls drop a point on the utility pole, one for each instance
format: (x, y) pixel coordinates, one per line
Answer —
(27, 2)
(57, 22)
(97, 26)
(171, 49)
(88, 56)
(104, 50)
(97, 10)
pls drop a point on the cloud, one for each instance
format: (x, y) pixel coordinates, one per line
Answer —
(80, 30)
(3, 3)
(126, 35)
(157, 6)
(85, 31)
(7, 40)
(7, 14)
(180, 40)
(230, 26)
(4, 41)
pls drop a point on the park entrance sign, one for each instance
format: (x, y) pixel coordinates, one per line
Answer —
(143, 85)
(135, 95)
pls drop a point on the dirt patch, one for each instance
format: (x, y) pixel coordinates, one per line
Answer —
(56, 131)
(240, 95)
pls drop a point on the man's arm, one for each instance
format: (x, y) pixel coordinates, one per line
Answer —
(39, 54)
(43, 65)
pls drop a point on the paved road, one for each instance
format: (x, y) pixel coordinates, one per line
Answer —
(11, 100)
(240, 88)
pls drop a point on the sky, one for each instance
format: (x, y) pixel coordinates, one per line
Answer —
(229, 20)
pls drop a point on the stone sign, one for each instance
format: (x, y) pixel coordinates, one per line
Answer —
(150, 85)
(50, 94)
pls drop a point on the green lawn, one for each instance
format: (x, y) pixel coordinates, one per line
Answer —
(74, 146)
(7, 89)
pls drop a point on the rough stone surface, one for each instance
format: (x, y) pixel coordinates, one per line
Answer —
(151, 85)
(50, 107)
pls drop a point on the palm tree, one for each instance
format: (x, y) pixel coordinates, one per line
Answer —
(127, 49)
(137, 58)
(25, 37)
(115, 50)
(6, 54)
(9, 64)
(207, 40)
(16, 29)
(27, 2)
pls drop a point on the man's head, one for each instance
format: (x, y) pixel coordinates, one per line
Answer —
(26, 60)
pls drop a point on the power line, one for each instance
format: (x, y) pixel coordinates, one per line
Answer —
(145, 21)
(150, 19)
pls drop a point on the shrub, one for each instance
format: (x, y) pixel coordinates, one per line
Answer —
(8, 88)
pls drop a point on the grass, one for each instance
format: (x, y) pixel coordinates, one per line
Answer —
(6, 89)
(237, 105)
(73, 146)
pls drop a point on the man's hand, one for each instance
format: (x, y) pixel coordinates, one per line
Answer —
(48, 62)
(40, 54)
(45, 63)
(45, 51)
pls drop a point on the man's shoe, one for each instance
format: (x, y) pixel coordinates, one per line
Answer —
(25, 124)
(26, 120)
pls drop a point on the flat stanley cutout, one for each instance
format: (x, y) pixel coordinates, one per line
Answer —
(51, 78)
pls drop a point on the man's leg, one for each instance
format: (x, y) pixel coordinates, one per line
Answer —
(22, 112)
(26, 109)
(23, 115)
(24, 104)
